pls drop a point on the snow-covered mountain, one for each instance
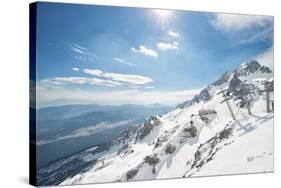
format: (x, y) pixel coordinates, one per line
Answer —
(225, 129)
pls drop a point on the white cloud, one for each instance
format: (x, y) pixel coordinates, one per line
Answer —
(81, 58)
(127, 78)
(266, 58)
(122, 61)
(51, 81)
(94, 72)
(149, 87)
(168, 46)
(78, 49)
(145, 51)
(76, 69)
(119, 60)
(105, 79)
(44, 97)
(82, 53)
(81, 80)
(173, 34)
(64, 80)
(264, 35)
(235, 22)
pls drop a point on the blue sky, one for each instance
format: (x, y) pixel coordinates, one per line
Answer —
(90, 53)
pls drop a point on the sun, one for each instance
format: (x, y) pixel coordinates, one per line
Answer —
(163, 14)
(163, 17)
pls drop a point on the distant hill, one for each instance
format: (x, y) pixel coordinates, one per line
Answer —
(68, 111)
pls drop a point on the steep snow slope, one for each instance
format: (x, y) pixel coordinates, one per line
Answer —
(199, 139)
(252, 152)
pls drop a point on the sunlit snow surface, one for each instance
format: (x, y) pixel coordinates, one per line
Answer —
(249, 148)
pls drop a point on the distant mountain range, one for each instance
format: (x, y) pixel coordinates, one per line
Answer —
(68, 111)
(85, 125)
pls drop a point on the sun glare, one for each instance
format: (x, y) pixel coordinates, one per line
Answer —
(163, 17)
(163, 14)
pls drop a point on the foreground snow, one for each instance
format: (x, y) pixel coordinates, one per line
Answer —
(252, 152)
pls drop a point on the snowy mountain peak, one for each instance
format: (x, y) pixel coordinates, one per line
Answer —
(245, 72)
(252, 66)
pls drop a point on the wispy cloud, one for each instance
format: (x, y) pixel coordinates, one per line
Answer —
(51, 81)
(82, 53)
(81, 80)
(168, 46)
(173, 34)
(80, 58)
(79, 49)
(76, 69)
(149, 87)
(123, 78)
(261, 36)
(127, 78)
(94, 72)
(145, 51)
(104, 79)
(122, 61)
(120, 96)
(236, 22)
(254, 28)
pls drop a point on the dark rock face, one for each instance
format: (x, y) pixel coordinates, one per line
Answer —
(242, 92)
(264, 69)
(205, 152)
(123, 148)
(197, 158)
(204, 96)
(245, 89)
(205, 114)
(252, 66)
(225, 78)
(170, 149)
(234, 84)
(224, 134)
(161, 140)
(131, 173)
(149, 125)
(190, 132)
(197, 155)
(247, 69)
(152, 160)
